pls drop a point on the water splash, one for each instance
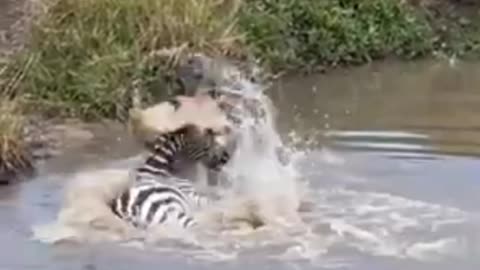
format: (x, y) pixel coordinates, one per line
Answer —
(263, 179)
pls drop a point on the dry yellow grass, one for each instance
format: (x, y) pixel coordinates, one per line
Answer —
(14, 154)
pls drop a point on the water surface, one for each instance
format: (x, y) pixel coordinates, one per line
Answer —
(391, 153)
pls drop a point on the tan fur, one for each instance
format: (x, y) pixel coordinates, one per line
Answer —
(201, 110)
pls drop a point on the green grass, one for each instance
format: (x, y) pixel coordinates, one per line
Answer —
(310, 33)
(456, 27)
(84, 55)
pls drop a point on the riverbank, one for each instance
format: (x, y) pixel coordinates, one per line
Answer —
(84, 59)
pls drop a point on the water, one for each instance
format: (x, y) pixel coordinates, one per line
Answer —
(390, 154)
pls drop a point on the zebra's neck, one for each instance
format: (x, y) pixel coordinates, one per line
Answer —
(162, 154)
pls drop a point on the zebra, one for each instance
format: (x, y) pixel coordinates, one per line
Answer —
(157, 196)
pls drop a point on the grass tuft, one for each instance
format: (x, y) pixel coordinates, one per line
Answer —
(14, 154)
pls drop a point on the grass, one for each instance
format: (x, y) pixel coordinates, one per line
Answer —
(456, 27)
(316, 34)
(84, 55)
(312, 33)
(14, 155)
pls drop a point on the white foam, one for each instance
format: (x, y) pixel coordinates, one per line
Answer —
(435, 250)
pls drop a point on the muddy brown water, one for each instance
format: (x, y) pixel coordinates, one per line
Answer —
(392, 152)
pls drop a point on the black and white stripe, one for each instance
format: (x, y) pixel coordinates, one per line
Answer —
(157, 195)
